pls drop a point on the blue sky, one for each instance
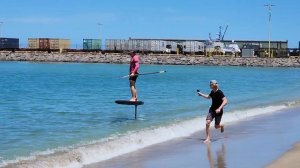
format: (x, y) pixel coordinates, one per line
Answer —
(184, 19)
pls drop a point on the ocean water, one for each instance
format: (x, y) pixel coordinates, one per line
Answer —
(66, 111)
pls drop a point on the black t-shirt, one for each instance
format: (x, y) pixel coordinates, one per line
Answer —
(216, 99)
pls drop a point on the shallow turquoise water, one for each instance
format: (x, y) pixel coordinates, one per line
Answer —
(46, 106)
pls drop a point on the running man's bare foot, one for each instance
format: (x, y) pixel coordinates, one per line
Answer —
(222, 128)
(206, 141)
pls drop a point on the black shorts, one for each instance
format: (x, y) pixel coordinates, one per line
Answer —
(213, 115)
(133, 78)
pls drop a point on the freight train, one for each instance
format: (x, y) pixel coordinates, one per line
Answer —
(148, 46)
(154, 46)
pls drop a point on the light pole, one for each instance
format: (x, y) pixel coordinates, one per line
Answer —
(270, 17)
(100, 24)
(0, 28)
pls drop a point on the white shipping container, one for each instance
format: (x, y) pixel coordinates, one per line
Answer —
(130, 45)
(213, 46)
(108, 44)
(199, 46)
(186, 46)
(136, 45)
(171, 46)
(154, 45)
(124, 45)
(193, 46)
(146, 46)
(158, 45)
(118, 45)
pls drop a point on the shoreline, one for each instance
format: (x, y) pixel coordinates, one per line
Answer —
(234, 137)
(254, 142)
(159, 59)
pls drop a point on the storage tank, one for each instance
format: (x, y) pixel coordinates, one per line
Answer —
(91, 44)
(9, 43)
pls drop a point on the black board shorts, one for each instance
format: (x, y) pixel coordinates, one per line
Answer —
(133, 78)
(213, 115)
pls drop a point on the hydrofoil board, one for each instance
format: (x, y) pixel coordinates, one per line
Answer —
(127, 102)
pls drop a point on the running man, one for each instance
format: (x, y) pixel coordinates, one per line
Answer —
(133, 74)
(216, 109)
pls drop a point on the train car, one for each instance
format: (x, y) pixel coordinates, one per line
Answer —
(157, 46)
(116, 45)
(64, 44)
(48, 44)
(109, 45)
(214, 48)
(91, 44)
(44, 43)
(54, 43)
(9, 43)
(171, 47)
(33, 43)
(142, 46)
(193, 47)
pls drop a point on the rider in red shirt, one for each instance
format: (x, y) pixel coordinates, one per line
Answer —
(133, 74)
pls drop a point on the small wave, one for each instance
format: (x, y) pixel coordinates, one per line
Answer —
(105, 149)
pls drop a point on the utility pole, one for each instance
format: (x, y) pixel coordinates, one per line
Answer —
(270, 27)
(100, 24)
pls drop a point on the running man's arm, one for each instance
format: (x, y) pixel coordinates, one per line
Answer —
(203, 95)
(224, 102)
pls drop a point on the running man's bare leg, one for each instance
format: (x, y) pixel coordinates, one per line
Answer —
(220, 126)
(207, 131)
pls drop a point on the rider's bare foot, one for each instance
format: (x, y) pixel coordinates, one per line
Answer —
(133, 99)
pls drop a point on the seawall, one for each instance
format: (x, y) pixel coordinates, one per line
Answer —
(150, 59)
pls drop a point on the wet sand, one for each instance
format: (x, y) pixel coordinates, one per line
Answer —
(254, 142)
(290, 159)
